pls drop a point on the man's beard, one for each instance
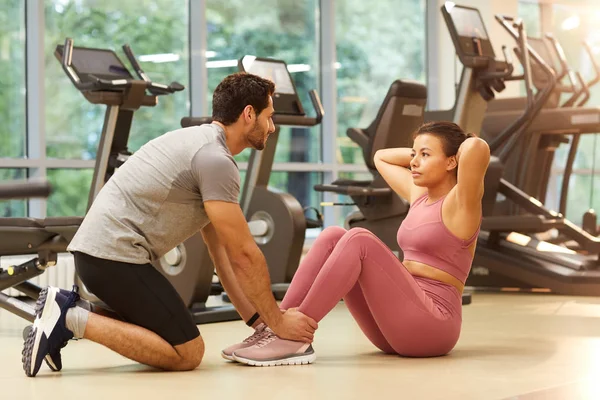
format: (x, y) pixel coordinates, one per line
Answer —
(256, 138)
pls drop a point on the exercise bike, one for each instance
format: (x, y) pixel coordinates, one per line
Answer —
(277, 220)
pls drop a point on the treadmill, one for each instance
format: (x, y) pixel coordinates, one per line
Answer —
(506, 256)
(557, 124)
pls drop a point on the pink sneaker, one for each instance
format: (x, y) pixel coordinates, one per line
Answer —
(271, 351)
(251, 340)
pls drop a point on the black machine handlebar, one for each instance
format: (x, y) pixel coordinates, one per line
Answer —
(134, 63)
(353, 190)
(511, 135)
(99, 84)
(24, 189)
(577, 85)
(278, 119)
(153, 87)
(596, 79)
(585, 86)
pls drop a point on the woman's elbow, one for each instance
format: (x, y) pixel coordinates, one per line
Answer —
(480, 147)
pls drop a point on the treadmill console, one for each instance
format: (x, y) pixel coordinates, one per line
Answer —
(285, 98)
(469, 35)
(100, 63)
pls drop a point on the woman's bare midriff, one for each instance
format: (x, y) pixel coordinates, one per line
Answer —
(427, 271)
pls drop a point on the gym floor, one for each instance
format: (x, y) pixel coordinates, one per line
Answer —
(513, 346)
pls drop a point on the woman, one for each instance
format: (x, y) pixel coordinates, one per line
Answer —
(410, 308)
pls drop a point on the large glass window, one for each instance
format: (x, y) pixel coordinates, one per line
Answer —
(70, 188)
(530, 13)
(12, 208)
(377, 42)
(156, 30)
(571, 26)
(286, 30)
(12, 78)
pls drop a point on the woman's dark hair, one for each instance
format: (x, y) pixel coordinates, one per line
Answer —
(236, 92)
(449, 133)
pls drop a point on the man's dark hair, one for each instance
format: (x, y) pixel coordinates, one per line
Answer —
(236, 92)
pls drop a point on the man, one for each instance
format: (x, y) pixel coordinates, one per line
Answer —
(173, 186)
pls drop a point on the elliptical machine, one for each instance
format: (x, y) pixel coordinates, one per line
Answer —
(277, 220)
(557, 123)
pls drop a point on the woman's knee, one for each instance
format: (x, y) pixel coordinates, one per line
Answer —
(359, 233)
(332, 233)
(362, 235)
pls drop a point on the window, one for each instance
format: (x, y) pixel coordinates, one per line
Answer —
(570, 26)
(584, 193)
(70, 188)
(282, 30)
(530, 13)
(157, 32)
(12, 208)
(12, 79)
(377, 42)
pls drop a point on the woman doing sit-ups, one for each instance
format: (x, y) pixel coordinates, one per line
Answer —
(413, 307)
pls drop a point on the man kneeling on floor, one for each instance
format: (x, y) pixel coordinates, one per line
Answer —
(173, 186)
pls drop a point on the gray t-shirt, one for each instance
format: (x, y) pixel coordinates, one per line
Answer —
(156, 199)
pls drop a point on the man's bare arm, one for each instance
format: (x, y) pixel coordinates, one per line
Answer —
(226, 274)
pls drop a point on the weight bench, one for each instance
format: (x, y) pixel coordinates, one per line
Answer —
(41, 238)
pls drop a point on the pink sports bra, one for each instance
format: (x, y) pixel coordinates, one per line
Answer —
(424, 238)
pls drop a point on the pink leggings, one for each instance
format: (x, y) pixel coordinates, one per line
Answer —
(399, 313)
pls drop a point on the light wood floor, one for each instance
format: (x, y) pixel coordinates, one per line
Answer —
(513, 346)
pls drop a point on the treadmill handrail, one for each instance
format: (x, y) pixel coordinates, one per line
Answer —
(554, 121)
(577, 85)
(584, 90)
(512, 134)
(186, 122)
(522, 199)
(595, 64)
(153, 87)
(25, 189)
(352, 190)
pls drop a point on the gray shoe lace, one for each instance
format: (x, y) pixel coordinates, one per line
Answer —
(257, 334)
(268, 338)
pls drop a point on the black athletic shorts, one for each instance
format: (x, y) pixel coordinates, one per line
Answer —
(140, 295)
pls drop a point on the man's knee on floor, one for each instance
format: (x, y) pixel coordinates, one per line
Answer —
(191, 354)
